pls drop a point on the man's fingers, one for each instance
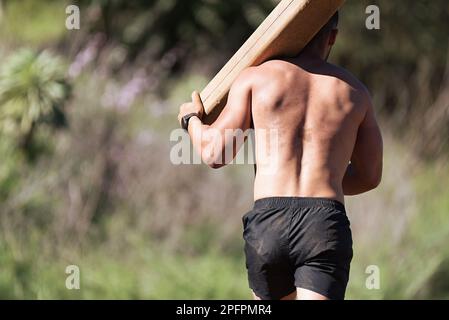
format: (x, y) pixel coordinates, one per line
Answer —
(196, 99)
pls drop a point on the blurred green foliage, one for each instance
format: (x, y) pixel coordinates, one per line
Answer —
(157, 26)
(33, 90)
(103, 195)
(31, 23)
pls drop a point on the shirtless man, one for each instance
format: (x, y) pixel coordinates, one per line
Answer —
(298, 242)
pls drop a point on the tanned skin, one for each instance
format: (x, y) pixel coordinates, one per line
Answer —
(329, 142)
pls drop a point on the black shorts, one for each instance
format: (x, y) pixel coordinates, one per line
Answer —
(297, 243)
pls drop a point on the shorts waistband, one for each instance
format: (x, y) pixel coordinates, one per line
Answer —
(299, 202)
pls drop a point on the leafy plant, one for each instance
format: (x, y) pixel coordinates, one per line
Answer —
(33, 91)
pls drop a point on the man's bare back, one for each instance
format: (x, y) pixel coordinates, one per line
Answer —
(323, 117)
(317, 110)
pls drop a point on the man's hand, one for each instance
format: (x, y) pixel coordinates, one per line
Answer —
(211, 141)
(196, 106)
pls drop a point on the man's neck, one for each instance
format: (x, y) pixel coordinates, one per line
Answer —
(313, 52)
(308, 58)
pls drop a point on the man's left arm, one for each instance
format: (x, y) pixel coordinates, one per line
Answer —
(219, 142)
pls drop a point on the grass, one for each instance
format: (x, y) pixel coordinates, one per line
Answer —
(145, 273)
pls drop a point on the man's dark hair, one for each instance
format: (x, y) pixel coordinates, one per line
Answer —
(327, 28)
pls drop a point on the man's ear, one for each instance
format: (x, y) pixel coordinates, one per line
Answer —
(333, 37)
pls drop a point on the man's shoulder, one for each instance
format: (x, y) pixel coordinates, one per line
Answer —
(271, 67)
(245, 79)
(269, 72)
(345, 78)
(347, 87)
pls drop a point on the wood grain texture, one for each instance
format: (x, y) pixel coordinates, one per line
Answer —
(285, 32)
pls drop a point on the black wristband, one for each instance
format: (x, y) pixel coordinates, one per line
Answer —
(185, 120)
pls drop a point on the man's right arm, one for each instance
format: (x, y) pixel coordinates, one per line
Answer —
(365, 170)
